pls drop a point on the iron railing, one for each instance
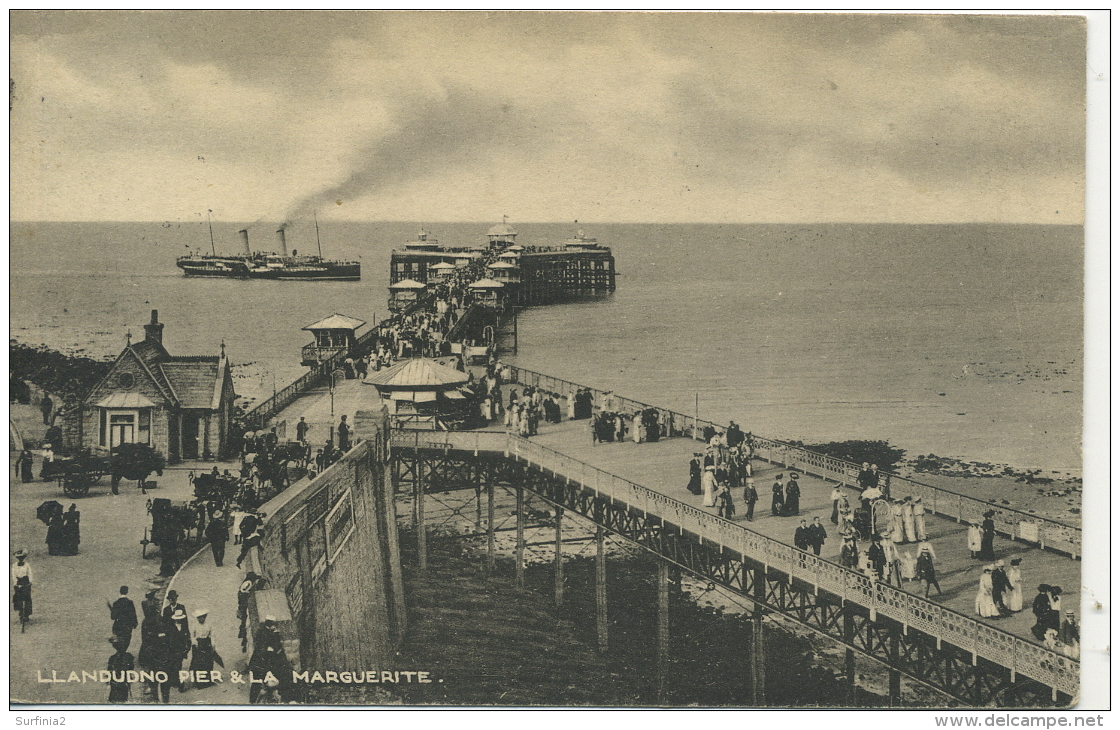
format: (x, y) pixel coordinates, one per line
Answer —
(1048, 534)
(1021, 656)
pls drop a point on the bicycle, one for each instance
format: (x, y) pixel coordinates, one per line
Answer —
(23, 605)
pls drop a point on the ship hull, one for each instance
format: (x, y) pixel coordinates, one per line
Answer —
(249, 268)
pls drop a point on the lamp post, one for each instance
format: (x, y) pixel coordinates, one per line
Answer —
(334, 373)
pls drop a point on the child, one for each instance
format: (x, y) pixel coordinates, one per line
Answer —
(725, 505)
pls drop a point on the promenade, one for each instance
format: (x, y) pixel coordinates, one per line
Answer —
(70, 627)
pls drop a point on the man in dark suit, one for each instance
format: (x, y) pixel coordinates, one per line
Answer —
(217, 534)
(801, 536)
(817, 535)
(173, 604)
(1000, 585)
(750, 496)
(123, 613)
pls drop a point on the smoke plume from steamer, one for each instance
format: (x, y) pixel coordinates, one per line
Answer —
(461, 128)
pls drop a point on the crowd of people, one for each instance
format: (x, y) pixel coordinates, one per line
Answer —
(876, 534)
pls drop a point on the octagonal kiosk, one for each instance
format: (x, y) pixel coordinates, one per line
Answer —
(422, 394)
(333, 334)
(488, 293)
(404, 294)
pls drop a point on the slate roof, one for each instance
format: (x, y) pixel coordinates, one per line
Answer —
(336, 322)
(417, 373)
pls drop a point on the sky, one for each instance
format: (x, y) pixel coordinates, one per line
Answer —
(596, 117)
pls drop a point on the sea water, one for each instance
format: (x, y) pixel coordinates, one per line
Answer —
(959, 340)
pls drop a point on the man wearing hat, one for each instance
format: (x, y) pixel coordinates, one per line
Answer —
(120, 663)
(123, 614)
(1000, 586)
(180, 645)
(217, 534)
(173, 604)
(877, 556)
(750, 496)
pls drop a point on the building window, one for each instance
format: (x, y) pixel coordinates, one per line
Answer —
(125, 427)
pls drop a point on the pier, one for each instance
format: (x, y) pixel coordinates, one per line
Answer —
(637, 491)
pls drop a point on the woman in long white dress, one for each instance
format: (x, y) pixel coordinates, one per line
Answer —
(919, 519)
(908, 520)
(845, 515)
(909, 566)
(985, 604)
(571, 405)
(1014, 599)
(898, 533)
(974, 539)
(708, 484)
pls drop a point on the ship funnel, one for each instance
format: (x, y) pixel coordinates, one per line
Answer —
(282, 242)
(245, 241)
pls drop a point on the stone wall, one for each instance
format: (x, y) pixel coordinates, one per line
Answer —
(330, 545)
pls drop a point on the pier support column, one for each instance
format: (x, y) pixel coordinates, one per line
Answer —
(519, 556)
(662, 631)
(849, 657)
(418, 513)
(490, 529)
(558, 567)
(478, 508)
(894, 677)
(601, 588)
(758, 641)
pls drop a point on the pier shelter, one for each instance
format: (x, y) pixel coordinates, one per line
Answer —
(403, 294)
(502, 235)
(488, 293)
(441, 272)
(181, 405)
(420, 393)
(332, 334)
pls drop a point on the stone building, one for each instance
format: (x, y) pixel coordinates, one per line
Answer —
(181, 405)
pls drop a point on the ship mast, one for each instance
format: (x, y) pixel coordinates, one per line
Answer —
(317, 241)
(211, 227)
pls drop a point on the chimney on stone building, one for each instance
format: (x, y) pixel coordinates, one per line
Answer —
(153, 331)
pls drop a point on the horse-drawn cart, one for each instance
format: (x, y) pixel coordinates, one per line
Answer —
(77, 474)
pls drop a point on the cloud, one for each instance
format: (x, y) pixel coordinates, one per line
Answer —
(547, 116)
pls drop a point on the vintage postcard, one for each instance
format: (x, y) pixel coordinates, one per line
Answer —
(548, 359)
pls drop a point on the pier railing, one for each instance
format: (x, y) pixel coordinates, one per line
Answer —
(256, 418)
(1048, 534)
(1021, 656)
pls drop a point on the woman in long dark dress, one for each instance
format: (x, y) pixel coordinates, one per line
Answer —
(71, 530)
(694, 471)
(56, 532)
(25, 466)
(987, 539)
(778, 498)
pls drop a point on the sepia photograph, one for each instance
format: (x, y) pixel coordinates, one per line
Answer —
(508, 359)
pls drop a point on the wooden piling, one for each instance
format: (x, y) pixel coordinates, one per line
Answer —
(421, 527)
(519, 557)
(662, 631)
(558, 568)
(601, 588)
(490, 529)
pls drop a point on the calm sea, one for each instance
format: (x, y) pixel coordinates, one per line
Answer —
(960, 340)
